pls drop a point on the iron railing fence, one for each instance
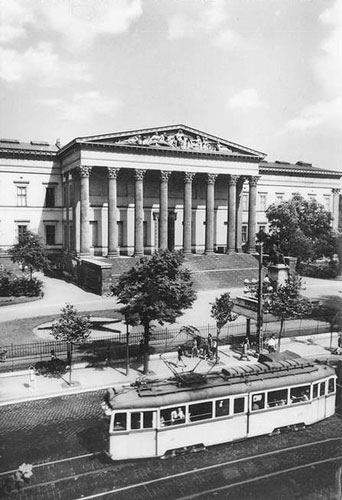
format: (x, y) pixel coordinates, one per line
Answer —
(162, 340)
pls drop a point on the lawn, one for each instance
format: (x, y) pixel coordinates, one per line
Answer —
(20, 331)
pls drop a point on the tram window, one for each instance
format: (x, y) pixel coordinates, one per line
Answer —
(222, 407)
(315, 391)
(120, 422)
(172, 416)
(201, 411)
(258, 401)
(135, 420)
(239, 405)
(148, 419)
(331, 385)
(277, 398)
(322, 389)
(299, 394)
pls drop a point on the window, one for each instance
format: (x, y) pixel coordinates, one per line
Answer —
(239, 405)
(22, 228)
(262, 201)
(258, 401)
(245, 202)
(300, 394)
(312, 197)
(201, 411)
(120, 422)
(145, 233)
(21, 196)
(244, 236)
(331, 385)
(322, 389)
(50, 236)
(120, 233)
(327, 202)
(262, 227)
(50, 197)
(172, 416)
(222, 407)
(142, 420)
(94, 233)
(315, 391)
(277, 398)
(279, 197)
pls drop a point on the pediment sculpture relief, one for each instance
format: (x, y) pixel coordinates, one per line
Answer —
(178, 140)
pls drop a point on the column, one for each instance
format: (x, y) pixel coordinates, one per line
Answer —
(139, 212)
(163, 209)
(239, 188)
(84, 173)
(209, 214)
(335, 207)
(231, 229)
(253, 181)
(67, 214)
(112, 174)
(187, 211)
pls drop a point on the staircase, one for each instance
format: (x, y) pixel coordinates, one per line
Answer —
(208, 271)
(221, 270)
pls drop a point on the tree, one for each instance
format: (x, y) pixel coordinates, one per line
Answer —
(302, 228)
(155, 289)
(222, 312)
(72, 328)
(286, 303)
(30, 252)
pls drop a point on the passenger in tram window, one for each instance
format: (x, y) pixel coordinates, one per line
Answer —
(162, 421)
(177, 416)
(120, 422)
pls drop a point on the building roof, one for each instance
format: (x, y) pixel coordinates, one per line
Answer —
(299, 168)
(34, 147)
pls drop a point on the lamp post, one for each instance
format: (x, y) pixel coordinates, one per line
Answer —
(258, 290)
(127, 348)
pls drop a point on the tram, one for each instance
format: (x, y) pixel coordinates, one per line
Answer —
(155, 418)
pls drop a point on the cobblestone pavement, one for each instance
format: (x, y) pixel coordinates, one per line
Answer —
(68, 426)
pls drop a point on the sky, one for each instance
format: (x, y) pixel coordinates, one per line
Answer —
(266, 74)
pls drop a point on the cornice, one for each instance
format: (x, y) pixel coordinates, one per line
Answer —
(170, 152)
(295, 172)
(17, 153)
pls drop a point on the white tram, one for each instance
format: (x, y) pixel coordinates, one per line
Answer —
(159, 416)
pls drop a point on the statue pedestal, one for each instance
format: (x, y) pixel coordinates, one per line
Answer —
(278, 273)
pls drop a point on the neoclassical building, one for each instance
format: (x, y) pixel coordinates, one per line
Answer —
(131, 193)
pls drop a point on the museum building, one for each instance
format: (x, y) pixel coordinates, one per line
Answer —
(131, 193)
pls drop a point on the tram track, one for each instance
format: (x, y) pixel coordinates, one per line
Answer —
(107, 484)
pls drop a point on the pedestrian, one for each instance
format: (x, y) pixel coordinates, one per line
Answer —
(194, 352)
(180, 355)
(52, 355)
(141, 350)
(209, 340)
(214, 347)
(271, 346)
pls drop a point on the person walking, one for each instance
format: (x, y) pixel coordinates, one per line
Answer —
(180, 355)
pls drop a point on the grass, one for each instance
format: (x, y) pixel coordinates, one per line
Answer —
(20, 331)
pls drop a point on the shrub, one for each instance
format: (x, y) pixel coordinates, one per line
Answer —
(323, 270)
(20, 286)
(52, 368)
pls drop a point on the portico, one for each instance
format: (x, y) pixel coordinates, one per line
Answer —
(136, 192)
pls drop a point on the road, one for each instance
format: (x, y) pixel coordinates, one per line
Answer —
(71, 432)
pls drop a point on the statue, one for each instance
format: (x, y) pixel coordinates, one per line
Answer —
(276, 257)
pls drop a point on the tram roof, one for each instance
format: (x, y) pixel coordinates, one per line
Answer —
(229, 382)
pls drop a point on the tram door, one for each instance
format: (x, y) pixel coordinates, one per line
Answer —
(321, 405)
(143, 443)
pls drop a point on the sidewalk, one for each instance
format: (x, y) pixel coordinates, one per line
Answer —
(17, 387)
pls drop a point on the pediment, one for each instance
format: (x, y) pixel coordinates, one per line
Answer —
(175, 137)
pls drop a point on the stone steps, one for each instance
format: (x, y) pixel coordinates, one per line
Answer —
(208, 271)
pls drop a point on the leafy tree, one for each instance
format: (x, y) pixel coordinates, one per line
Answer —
(286, 303)
(302, 228)
(222, 312)
(72, 327)
(155, 289)
(30, 252)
